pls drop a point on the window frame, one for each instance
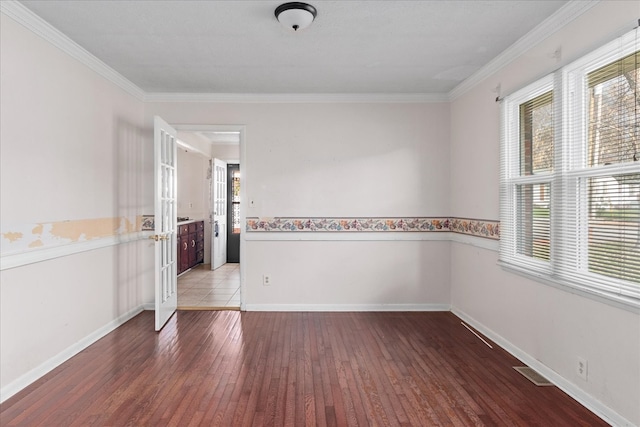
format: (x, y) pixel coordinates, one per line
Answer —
(512, 177)
(568, 265)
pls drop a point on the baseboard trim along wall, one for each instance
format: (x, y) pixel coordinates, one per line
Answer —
(585, 399)
(52, 363)
(348, 307)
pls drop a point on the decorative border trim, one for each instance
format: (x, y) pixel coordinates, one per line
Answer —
(48, 365)
(471, 227)
(22, 244)
(563, 16)
(346, 224)
(584, 398)
(42, 28)
(475, 227)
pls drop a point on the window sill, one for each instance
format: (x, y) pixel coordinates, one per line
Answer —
(616, 300)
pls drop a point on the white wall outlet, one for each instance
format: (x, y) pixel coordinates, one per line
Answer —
(582, 368)
(266, 280)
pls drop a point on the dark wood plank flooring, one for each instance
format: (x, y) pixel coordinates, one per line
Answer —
(229, 368)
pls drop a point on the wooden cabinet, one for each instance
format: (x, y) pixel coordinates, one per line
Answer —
(190, 245)
(199, 242)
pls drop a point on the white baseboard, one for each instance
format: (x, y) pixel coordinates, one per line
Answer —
(48, 365)
(347, 307)
(585, 399)
(333, 307)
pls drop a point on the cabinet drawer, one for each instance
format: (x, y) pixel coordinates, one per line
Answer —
(184, 229)
(192, 227)
(200, 226)
(200, 236)
(199, 256)
(199, 245)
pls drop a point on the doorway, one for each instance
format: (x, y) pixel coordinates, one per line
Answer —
(222, 288)
(233, 213)
(204, 289)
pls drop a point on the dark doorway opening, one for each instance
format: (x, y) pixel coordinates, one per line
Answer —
(233, 215)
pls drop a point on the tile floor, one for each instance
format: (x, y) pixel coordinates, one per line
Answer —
(201, 288)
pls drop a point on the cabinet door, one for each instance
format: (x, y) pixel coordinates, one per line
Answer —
(199, 242)
(184, 253)
(192, 249)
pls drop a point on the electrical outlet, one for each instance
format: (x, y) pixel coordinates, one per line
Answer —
(582, 368)
(266, 280)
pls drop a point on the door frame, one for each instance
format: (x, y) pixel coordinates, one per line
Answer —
(243, 196)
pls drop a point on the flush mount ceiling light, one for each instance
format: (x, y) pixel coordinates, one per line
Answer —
(296, 15)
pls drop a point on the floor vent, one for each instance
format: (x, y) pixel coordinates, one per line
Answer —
(533, 376)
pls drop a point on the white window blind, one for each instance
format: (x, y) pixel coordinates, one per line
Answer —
(570, 174)
(527, 175)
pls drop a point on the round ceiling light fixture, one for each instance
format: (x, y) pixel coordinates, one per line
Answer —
(296, 15)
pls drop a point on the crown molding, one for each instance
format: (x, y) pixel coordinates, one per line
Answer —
(292, 98)
(30, 20)
(555, 22)
(39, 26)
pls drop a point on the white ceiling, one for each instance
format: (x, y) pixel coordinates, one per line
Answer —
(353, 47)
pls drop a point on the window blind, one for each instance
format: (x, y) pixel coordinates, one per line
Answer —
(527, 172)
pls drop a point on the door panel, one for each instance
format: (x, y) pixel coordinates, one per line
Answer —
(219, 226)
(165, 179)
(233, 213)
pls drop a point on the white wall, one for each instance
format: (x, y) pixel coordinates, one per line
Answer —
(343, 275)
(193, 192)
(340, 160)
(226, 152)
(193, 185)
(73, 152)
(195, 142)
(551, 326)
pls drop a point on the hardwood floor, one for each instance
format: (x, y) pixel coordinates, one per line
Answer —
(231, 368)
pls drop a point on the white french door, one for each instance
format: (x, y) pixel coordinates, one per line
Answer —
(166, 269)
(219, 208)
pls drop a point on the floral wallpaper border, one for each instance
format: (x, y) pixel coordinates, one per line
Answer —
(473, 227)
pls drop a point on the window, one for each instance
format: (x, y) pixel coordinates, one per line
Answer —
(570, 175)
(528, 165)
(613, 211)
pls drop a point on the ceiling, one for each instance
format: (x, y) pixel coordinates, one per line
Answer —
(238, 47)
